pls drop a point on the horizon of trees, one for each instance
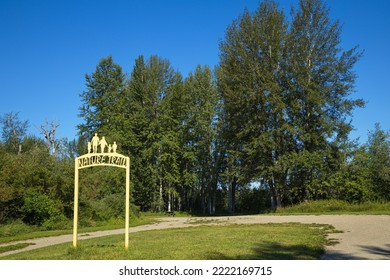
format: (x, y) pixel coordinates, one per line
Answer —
(268, 128)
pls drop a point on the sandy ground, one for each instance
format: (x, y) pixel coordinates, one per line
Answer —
(362, 236)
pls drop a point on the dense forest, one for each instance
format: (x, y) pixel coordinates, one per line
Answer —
(267, 128)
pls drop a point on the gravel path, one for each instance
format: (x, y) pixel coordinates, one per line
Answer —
(362, 237)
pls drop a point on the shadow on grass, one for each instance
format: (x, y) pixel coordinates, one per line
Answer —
(274, 251)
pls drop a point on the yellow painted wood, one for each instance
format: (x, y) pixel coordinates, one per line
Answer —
(102, 158)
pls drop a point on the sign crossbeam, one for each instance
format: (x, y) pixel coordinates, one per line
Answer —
(102, 158)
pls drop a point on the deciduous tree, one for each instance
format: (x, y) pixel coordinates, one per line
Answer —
(13, 131)
(379, 162)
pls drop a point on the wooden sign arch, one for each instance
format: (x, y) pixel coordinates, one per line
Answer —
(107, 156)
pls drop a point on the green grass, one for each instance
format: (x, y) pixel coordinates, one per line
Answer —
(336, 207)
(14, 247)
(17, 230)
(289, 241)
(163, 214)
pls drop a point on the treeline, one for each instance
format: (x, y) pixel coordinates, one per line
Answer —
(37, 185)
(275, 115)
(268, 127)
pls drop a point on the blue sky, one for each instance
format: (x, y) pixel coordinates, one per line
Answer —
(47, 47)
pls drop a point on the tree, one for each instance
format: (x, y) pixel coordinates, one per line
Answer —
(285, 96)
(252, 95)
(35, 186)
(319, 79)
(153, 130)
(49, 133)
(348, 180)
(199, 131)
(101, 102)
(378, 149)
(13, 131)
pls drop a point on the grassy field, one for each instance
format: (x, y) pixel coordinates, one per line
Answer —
(266, 241)
(14, 247)
(16, 230)
(271, 241)
(336, 207)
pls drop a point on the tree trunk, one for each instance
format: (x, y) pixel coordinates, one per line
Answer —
(161, 195)
(276, 197)
(211, 203)
(232, 197)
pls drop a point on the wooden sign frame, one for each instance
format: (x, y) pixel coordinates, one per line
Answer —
(102, 158)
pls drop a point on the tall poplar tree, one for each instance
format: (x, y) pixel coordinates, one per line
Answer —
(379, 162)
(199, 128)
(285, 92)
(101, 110)
(319, 80)
(155, 143)
(249, 81)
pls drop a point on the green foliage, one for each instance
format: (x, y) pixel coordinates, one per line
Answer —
(102, 195)
(153, 132)
(249, 80)
(319, 108)
(22, 171)
(160, 120)
(276, 112)
(336, 206)
(15, 227)
(199, 132)
(104, 90)
(378, 150)
(285, 87)
(37, 188)
(13, 131)
(38, 208)
(252, 200)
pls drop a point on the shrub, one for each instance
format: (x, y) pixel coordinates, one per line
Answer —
(13, 228)
(336, 206)
(38, 208)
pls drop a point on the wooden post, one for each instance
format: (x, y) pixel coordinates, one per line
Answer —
(127, 220)
(76, 201)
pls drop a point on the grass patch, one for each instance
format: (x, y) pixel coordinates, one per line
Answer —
(14, 247)
(290, 241)
(205, 221)
(337, 207)
(17, 230)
